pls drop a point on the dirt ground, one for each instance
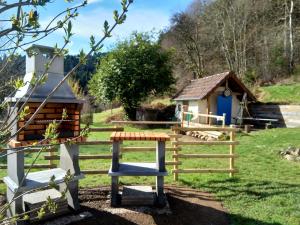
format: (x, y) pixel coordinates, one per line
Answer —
(188, 207)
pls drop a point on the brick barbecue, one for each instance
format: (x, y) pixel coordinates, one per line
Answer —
(63, 99)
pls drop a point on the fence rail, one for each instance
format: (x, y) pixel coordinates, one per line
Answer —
(175, 149)
(185, 156)
(146, 122)
(208, 117)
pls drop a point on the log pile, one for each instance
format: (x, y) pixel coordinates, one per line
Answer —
(291, 153)
(207, 135)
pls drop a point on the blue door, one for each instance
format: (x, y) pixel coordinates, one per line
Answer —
(224, 105)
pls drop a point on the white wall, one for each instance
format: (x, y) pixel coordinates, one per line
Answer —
(200, 106)
(235, 106)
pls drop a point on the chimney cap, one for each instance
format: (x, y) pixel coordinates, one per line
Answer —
(40, 47)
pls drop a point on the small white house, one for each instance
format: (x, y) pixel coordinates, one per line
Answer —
(218, 94)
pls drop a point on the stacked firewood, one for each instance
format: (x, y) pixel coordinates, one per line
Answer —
(207, 135)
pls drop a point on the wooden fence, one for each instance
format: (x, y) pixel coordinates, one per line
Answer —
(182, 156)
(145, 122)
(175, 150)
(208, 117)
(52, 156)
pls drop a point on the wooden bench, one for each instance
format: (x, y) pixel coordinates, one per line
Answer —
(268, 121)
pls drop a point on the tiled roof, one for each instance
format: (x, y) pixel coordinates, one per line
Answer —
(201, 88)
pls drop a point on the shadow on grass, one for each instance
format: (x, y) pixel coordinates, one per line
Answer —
(244, 191)
(256, 189)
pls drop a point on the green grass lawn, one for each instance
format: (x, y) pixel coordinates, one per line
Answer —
(288, 93)
(266, 191)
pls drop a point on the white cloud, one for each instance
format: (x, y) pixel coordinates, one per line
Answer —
(93, 1)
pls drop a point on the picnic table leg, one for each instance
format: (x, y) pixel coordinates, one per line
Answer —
(114, 190)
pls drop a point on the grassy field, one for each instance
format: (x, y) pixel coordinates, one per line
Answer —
(264, 192)
(288, 93)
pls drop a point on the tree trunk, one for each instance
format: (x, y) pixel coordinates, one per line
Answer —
(285, 29)
(291, 58)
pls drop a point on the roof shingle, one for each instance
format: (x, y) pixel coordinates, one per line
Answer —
(201, 88)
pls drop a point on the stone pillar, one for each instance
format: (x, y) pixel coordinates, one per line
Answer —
(16, 207)
(115, 179)
(160, 191)
(160, 165)
(69, 160)
(114, 191)
(115, 156)
(15, 166)
(15, 171)
(160, 156)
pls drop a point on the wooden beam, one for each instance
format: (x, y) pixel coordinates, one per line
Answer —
(146, 122)
(35, 166)
(204, 171)
(106, 129)
(82, 157)
(94, 171)
(206, 142)
(204, 156)
(146, 149)
(204, 128)
(95, 143)
(170, 163)
(207, 109)
(231, 151)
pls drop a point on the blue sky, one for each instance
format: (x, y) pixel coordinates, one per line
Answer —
(143, 15)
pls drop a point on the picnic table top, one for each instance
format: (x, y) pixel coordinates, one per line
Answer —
(139, 136)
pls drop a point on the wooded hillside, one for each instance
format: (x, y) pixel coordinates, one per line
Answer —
(258, 39)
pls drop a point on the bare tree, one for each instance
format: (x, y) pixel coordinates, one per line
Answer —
(20, 27)
(291, 58)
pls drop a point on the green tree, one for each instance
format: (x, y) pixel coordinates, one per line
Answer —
(134, 70)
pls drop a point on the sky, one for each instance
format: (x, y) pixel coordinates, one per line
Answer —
(143, 16)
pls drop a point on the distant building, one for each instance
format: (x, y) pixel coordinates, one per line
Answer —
(218, 94)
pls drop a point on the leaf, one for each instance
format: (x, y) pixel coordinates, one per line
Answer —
(82, 57)
(69, 27)
(52, 131)
(64, 114)
(106, 28)
(92, 41)
(18, 83)
(116, 16)
(26, 217)
(25, 112)
(41, 213)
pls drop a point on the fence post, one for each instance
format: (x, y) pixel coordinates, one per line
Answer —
(51, 161)
(210, 113)
(224, 118)
(231, 152)
(175, 153)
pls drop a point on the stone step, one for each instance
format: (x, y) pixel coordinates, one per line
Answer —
(137, 195)
(36, 199)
